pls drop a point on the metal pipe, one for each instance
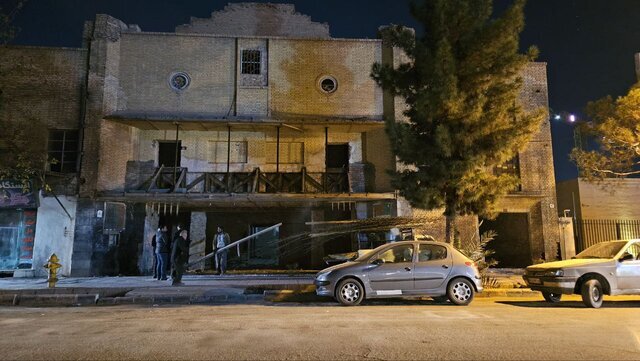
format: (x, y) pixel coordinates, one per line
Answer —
(175, 159)
(278, 149)
(233, 244)
(228, 147)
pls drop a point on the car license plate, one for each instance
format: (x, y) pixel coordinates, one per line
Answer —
(535, 281)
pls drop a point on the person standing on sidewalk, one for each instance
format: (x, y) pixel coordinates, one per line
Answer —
(221, 239)
(179, 257)
(162, 252)
(155, 257)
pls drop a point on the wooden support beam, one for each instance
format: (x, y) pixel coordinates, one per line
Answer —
(154, 179)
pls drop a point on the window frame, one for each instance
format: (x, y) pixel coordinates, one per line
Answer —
(252, 64)
(60, 165)
(379, 254)
(212, 151)
(446, 254)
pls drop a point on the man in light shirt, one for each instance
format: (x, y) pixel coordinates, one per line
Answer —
(220, 240)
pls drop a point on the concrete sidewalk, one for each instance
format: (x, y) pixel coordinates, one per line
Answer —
(233, 288)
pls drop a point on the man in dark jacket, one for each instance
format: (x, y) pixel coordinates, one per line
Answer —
(162, 252)
(155, 258)
(179, 257)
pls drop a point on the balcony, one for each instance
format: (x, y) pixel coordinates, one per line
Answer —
(180, 180)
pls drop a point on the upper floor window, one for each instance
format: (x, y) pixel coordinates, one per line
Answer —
(251, 61)
(234, 152)
(290, 153)
(63, 150)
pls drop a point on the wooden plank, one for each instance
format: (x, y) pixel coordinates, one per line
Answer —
(256, 180)
(154, 179)
(196, 181)
(183, 174)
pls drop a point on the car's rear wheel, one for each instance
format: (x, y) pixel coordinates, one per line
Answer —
(460, 291)
(592, 294)
(440, 299)
(350, 292)
(552, 297)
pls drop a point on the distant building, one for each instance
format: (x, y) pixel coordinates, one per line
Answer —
(253, 117)
(603, 210)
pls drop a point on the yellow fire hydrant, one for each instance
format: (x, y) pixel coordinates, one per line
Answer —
(52, 265)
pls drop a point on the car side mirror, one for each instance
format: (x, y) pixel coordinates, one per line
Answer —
(626, 257)
(378, 261)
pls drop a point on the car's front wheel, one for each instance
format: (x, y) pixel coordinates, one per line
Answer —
(350, 292)
(460, 291)
(552, 297)
(592, 294)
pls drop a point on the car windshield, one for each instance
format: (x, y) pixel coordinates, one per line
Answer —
(602, 250)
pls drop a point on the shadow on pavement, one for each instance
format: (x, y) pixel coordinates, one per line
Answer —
(570, 304)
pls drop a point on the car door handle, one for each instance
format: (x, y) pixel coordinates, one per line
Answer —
(408, 269)
(445, 266)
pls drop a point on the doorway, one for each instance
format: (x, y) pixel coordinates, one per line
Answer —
(169, 154)
(511, 245)
(337, 156)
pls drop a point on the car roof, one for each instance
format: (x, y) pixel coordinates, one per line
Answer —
(418, 242)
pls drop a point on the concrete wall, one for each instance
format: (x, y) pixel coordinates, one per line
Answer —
(54, 234)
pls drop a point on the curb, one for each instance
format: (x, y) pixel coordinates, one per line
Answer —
(49, 300)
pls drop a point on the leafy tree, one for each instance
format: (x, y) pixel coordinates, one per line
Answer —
(461, 86)
(615, 126)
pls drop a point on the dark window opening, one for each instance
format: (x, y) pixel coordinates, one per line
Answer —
(63, 150)
(510, 167)
(337, 156)
(251, 60)
(168, 154)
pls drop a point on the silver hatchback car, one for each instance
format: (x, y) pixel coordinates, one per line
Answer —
(607, 268)
(403, 269)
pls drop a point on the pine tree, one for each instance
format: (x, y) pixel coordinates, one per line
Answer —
(615, 127)
(461, 87)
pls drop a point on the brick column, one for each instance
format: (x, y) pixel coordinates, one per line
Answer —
(198, 235)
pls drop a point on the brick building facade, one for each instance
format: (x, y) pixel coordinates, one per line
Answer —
(242, 121)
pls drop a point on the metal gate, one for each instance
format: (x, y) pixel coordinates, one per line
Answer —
(591, 231)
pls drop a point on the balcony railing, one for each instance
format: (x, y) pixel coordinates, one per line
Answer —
(170, 180)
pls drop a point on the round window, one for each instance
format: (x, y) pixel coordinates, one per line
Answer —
(179, 81)
(328, 84)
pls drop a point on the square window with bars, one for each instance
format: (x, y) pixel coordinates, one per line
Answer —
(251, 61)
(62, 149)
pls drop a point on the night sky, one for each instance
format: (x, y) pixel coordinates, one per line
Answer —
(588, 44)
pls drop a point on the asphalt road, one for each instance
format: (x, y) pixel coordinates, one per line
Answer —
(492, 329)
